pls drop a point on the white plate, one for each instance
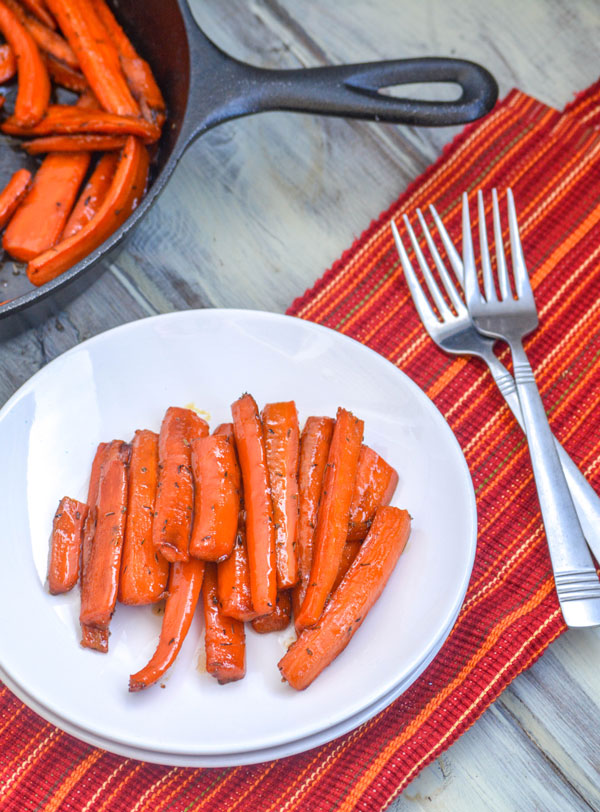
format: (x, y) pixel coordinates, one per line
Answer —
(125, 379)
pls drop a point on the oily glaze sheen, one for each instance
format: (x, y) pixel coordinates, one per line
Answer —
(349, 553)
(278, 620)
(376, 482)
(224, 637)
(65, 550)
(13, 193)
(93, 194)
(233, 575)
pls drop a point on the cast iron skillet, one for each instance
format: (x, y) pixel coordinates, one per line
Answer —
(204, 87)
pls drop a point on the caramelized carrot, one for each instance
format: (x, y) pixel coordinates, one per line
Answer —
(101, 575)
(47, 40)
(314, 450)
(376, 482)
(12, 194)
(224, 637)
(65, 551)
(234, 578)
(91, 637)
(349, 553)
(64, 119)
(41, 217)
(64, 75)
(39, 10)
(334, 509)
(33, 92)
(175, 494)
(96, 54)
(92, 195)
(8, 63)
(217, 497)
(316, 648)
(260, 530)
(185, 582)
(144, 571)
(75, 143)
(282, 437)
(278, 620)
(125, 192)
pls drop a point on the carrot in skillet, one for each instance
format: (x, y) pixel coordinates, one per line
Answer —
(75, 143)
(33, 92)
(91, 637)
(314, 450)
(47, 40)
(185, 582)
(8, 63)
(64, 75)
(92, 195)
(282, 438)
(65, 550)
(175, 494)
(224, 637)
(126, 190)
(233, 575)
(349, 553)
(39, 10)
(217, 497)
(12, 194)
(144, 571)
(101, 574)
(96, 53)
(278, 620)
(260, 530)
(64, 119)
(316, 648)
(332, 520)
(376, 482)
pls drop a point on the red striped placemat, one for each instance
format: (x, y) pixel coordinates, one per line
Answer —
(510, 613)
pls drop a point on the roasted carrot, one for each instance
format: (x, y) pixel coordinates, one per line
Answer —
(65, 550)
(185, 582)
(47, 40)
(65, 76)
(334, 509)
(96, 53)
(39, 10)
(376, 482)
(75, 143)
(93, 194)
(91, 637)
(8, 63)
(217, 497)
(282, 438)
(144, 571)
(224, 637)
(234, 578)
(125, 192)
(12, 194)
(260, 530)
(33, 92)
(349, 553)
(314, 450)
(64, 119)
(316, 648)
(278, 620)
(175, 495)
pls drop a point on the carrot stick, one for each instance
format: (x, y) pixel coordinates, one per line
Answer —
(47, 40)
(91, 637)
(92, 195)
(12, 194)
(235, 595)
(67, 531)
(278, 620)
(96, 53)
(260, 530)
(65, 119)
(175, 494)
(332, 521)
(316, 648)
(314, 450)
(185, 582)
(282, 437)
(8, 63)
(65, 76)
(75, 143)
(144, 571)
(38, 9)
(217, 497)
(349, 553)
(125, 192)
(33, 92)
(41, 217)
(376, 482)
(224, 637)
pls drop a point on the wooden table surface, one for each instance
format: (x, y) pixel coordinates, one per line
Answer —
(260, 207)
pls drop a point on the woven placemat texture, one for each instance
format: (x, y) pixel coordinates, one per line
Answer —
(511, 613)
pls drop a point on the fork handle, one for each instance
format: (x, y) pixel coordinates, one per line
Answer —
(577, 583)
(585, 498)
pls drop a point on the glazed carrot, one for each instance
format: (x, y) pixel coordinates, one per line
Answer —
(65, 76)
(12, 194)
(91, 637)
(282, 438)
(185, 582)
(349, 553)
(233, 574)
(39, 10)
(125, 192)
(8, 63)
(332, 521)
(217, 497)
(64, 119)
(92, 195)
(75, 143)
(33, 92)
(175, 495)
(316, 648)
(224, 637)
(144, 571)
(65, 550)
(97, 55)
(278, 620)
(47, 40)
(101, 573)
(376, 482)
(260, 530)
(41, 217)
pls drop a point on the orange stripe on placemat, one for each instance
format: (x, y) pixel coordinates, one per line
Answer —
(15, 779)
(90, 804)
(79, 771)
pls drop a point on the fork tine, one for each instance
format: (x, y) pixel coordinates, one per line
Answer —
(522, 282)
(451, 251)
(472, 292)
(437, 297)
(505, 291)
(424, 309)
(439, 264)
(488, 280)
